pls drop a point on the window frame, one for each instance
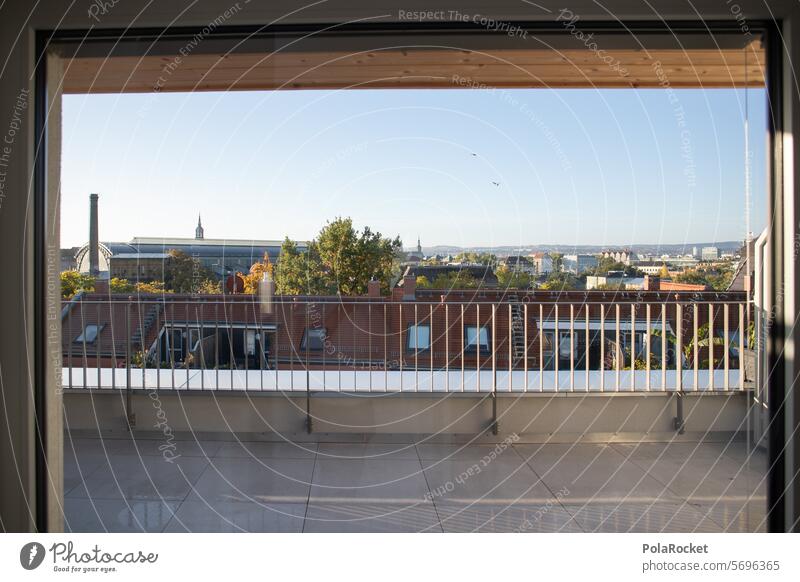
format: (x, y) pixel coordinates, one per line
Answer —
(474, 348)
(409, 332)
(311, 347)
(81, 336)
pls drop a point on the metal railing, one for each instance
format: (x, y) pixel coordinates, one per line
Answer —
(310, 344)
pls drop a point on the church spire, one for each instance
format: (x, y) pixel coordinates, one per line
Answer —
(198, 232)
(419, 246)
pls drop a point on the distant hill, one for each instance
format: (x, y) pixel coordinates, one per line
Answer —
(649, 249)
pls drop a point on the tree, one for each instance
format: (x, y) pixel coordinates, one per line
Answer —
(300, 272)
(340, 260)
(487, 259)
(703, 341)
(154, 287)
(455, 280)
(718, 277)
(116, 285)
(185, 274)
(208, 287)
(73, 282)
(692, 276)
(611, 287)
(510, 279)
(560, 281)
(256, 274)
(606, 264)
(664, 272)
(558, 262)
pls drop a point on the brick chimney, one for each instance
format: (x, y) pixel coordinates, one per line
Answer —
(409, 288)
(94, 237)
(374, 288)
(652, 283)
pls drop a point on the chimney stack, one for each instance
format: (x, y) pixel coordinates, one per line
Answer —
(94, 241)
(409, 287)
(652, 283)
(374, 288)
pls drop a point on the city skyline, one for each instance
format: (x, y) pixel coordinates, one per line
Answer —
(462, 168)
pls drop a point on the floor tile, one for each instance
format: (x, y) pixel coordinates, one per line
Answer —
(593, 473)
(77, 469)
(267, 450)
(355, 516)
(146, 477)
(117, 515)
(237, 516)
(737, 515)
(471, 452)
(255, 480)
(386, 480)
(505, 480)
(149, 447)
(367, 451)
(641, 517)
(516, 518)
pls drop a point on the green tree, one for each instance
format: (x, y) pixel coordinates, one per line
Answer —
(455, 280)
(487, 259)
(560, 281)
(510, 279)
(185, 274)
(300, 272)
(73, 282)
(340, 260)
(606, 264)
(558, 262)
(611, 287)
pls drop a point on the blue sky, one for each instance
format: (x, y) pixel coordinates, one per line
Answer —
(574, 166)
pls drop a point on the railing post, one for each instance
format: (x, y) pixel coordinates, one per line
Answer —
(495, 428)
(130, 416)
(679, 422)
(307, 332)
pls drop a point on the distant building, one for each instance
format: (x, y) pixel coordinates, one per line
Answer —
(482, 273)
(417, 253)
(650, 267)
(627, 283)
(144, 259)
(519, 264)
(709, 253)
(68, 262)
(623, 256)
(579, 264)
(542, 263)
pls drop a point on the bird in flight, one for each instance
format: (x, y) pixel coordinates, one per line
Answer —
(496, 183)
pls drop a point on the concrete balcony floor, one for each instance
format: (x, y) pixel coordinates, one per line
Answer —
(122, 485)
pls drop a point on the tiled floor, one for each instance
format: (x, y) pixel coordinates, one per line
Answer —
(208, 486)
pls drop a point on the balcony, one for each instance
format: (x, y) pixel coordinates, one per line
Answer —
(447, 412)
(393, 485)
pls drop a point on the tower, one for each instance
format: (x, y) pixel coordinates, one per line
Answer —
(419, 247)
(94, 238)
(198, 232)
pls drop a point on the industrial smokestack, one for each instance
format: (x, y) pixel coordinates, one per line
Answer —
(94, 241)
